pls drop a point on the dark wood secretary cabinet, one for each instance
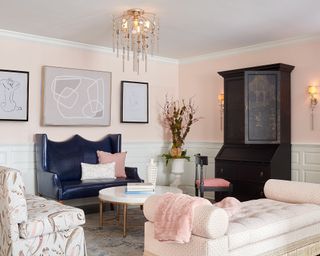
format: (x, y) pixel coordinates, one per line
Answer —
(257, 130)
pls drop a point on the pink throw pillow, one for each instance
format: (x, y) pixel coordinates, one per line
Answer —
(118, 158)
(230, 204)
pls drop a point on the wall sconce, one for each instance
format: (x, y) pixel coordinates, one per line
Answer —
(221, 105)
(313, 93)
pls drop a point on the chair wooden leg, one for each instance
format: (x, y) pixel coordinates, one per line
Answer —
(196, 191)
(201, 192)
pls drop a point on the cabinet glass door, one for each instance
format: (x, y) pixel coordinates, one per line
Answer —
(262, 109)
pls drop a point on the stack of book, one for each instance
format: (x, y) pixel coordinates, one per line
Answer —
(140, 188)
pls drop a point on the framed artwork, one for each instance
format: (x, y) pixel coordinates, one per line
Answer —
(134, 102)
(14, 95)
(76, 97)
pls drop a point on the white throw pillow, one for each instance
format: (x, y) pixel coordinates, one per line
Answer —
(98, 171)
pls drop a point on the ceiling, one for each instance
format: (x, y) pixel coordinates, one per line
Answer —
(187, 27)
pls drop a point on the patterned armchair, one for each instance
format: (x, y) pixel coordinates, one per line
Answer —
(31, 225)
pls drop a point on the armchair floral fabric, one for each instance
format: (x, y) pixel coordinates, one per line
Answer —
(31, 225)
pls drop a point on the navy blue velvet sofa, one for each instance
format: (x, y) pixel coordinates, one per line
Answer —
(58, 166)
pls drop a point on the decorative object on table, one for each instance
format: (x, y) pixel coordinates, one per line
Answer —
(76, 97)
(152, 172)
(137, 31)
(313, 94)
(134, 102)
(140, 188)
(14, 95)
(203, 184)
(177, 117)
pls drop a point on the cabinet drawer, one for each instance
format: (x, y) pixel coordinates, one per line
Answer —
(245, 172)
(225, 171)
(253, 173)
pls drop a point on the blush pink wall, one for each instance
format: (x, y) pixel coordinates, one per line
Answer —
(200, 79)
(17, 54)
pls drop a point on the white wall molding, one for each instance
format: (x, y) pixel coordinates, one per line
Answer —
(213, 55)
(20, 157)
(250, 48)
(73, 44)
(305, 161)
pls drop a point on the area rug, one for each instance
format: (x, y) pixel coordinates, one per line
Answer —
(109, 240)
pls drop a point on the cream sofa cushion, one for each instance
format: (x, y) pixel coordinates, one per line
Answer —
(262, 219)
(292, 191)
(208, 221)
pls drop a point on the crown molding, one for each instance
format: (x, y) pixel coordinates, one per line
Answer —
(255, 47)
(72, 44)
(209, 56)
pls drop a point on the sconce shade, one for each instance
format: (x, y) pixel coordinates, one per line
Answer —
(221, 105)
(221, 97)
(312, 90)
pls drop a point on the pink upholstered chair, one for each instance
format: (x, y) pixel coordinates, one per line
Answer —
(212, 184)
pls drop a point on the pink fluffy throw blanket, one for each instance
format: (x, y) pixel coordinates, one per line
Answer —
(230, 204)
(174, 217)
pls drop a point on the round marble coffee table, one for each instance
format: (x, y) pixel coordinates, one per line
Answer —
(117, 195)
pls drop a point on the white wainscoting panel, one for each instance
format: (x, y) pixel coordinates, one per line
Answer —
(305, 161)
(20, 157)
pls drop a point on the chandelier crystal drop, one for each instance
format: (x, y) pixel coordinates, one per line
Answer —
(135, 31)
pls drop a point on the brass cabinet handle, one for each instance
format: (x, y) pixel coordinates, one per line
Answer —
(221, 170)
(261, 174)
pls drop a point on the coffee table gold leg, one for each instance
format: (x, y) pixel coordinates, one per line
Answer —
(101, 213)
(118, 213)
(124, 220)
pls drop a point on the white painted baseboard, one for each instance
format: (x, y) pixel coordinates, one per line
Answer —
(305, 161)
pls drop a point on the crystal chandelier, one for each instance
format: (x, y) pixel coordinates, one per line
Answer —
(135, 31)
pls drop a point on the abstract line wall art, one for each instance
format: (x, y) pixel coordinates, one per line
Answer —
(14, 95)
(76, 97)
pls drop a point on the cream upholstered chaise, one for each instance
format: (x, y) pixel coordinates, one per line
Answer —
(286, 222)
(31, 225)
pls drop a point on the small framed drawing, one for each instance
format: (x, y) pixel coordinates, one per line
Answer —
(134, 102)
(76, 97)
(14, 95)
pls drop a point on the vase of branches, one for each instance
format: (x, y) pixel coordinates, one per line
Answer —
(178, 116)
